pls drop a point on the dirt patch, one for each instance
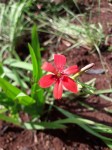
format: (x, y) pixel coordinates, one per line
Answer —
(69, 139)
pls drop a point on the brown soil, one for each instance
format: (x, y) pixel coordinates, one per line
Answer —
(72, 138)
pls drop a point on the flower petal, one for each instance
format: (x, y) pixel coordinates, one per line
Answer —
(48, 67)
(69, 84)
(71, 70)
(46, 80)
(60, 61)
(58, 90)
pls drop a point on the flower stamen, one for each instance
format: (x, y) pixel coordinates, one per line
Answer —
(58, 74)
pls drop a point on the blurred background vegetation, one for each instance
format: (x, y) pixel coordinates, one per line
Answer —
(54, 19)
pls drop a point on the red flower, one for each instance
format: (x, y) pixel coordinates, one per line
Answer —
(59, 76)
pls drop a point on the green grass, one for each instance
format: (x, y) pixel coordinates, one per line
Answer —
(19, 88)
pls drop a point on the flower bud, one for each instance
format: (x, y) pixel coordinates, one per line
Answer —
(87, 67)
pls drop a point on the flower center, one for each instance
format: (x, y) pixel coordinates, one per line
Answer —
(58, 74)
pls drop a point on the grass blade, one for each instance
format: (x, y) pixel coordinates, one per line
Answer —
(87, 125)
(36, 92)
(34, 62)
(36, 48)
(44, 125)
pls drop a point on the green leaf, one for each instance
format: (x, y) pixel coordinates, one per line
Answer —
(14, 76)
(1, 69)
(108, 143)
(36, 92)
(22, 65)
(36, 48)
(102, 128)
(15, 13)
(103, 91)
(106, 97)
(44, 125)
(9, 119)
(85, 124)
(5, 101)
(35, 64)
(15, 94)
(93, 132)
(24, 99)
(18, 64)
